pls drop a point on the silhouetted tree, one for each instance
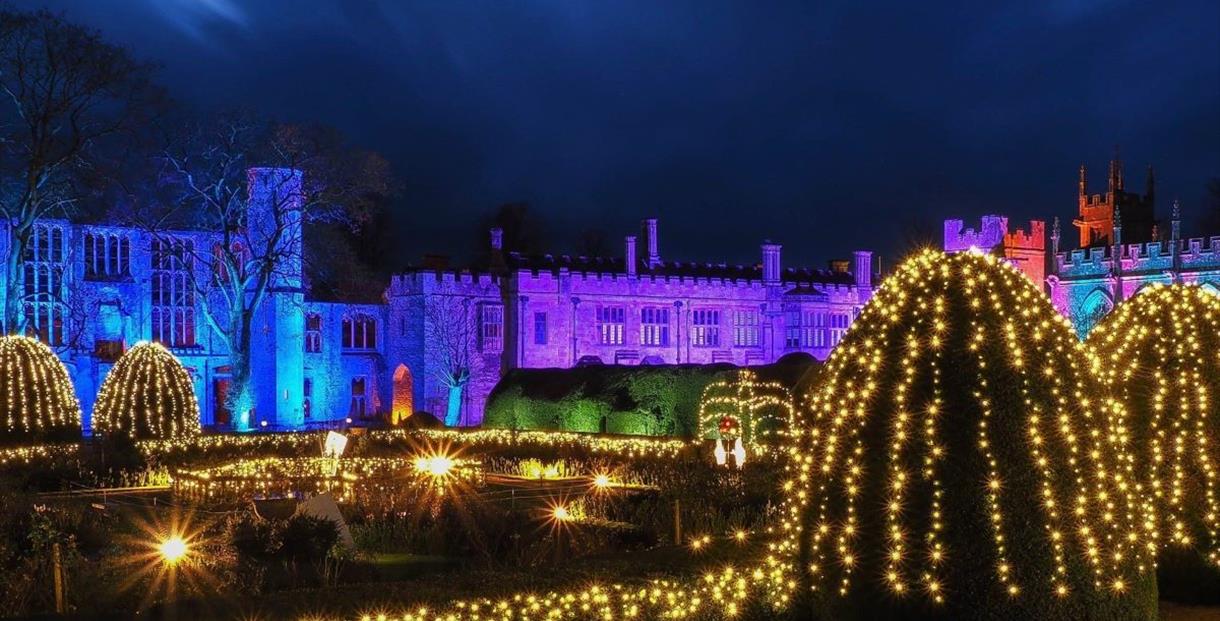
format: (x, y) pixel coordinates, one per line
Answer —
(64, 91)
(205, 165)
(593, 243)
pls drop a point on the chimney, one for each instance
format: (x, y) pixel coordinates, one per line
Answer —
(864, 268)
(497, 248)
(770, 263)
(1083, 184)
(630, 257)
(653, 242)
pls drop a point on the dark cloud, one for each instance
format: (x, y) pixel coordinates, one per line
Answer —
(826, 126)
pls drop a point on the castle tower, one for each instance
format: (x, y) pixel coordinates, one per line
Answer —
(274, 220)
(1096, 212)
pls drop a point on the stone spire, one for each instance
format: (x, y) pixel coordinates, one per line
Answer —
(1175, 240)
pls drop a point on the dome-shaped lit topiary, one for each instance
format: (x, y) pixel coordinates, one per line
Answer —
(37, 401)
(147, 395)
(1158, 355)
(953, 466)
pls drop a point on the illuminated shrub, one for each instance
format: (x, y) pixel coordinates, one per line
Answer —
(953, 466)
(744, 406)
(147, 395)
(36, 397)
(1158, 355)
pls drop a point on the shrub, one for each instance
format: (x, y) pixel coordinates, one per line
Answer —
(37, 402)
(1156, 355)
(147, 395)
(645, 400)
(955, 467)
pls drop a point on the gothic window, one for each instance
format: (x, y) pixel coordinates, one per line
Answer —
(173, 298)
(540, 328)
(745, 328)
(705, 327)
(610, 321)
(220, 261)
(491, 328)
(313, 333)
(654, 326)
(359, 405)
(107, 255)
(45, 311)
(359, 332)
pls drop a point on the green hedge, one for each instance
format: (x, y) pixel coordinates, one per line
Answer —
(637, 400)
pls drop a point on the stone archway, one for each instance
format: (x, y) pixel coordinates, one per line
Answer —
(404, 399)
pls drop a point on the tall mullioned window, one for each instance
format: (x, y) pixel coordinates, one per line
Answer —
(491, 328)
(173, 295)
(359, 332)
(45, 263)
(792, 329)
(107, 255)
(610, 322)
(540, 328)
(745, 328)
(705, 327)
(654, 326)
(313, 333)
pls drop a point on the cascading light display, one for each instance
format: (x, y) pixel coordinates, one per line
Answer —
(756, 408)
(1158, 354)
(957, 459)
(147, 395)
(37, 401)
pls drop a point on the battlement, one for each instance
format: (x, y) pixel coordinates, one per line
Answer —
(1193, 252)
(1035, 239)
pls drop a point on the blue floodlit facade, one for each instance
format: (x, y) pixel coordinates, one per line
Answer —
(90, 291)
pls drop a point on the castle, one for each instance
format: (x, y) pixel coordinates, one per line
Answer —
(441, 338)
(1122, 249)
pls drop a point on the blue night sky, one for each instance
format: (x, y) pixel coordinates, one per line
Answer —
(825, 126)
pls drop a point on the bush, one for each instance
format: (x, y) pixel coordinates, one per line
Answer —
(147, 395)
(1156, 354)
(37, 401)
(643, 400)
(944, 477)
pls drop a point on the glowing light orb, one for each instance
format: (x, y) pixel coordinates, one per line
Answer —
(173, 549)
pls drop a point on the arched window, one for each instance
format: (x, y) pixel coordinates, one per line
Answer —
(1096, 305)
(43, 273)
(359, 332)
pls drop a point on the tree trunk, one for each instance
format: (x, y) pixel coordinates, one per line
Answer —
(241, 394)
(453, 412)
(13, 264)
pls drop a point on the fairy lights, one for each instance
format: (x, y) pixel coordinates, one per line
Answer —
(36, 396)
(147, 395)
(1157, 356)
(950, 344)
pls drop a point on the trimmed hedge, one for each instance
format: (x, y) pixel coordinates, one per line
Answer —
(37, 401)
(941, 476)
(637, 400)
(147, 395)
(1156, 355)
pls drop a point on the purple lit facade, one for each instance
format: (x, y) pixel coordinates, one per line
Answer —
(559, 311)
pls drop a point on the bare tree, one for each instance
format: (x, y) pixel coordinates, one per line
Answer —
(451, 332)
(64, 91)
(307, 175)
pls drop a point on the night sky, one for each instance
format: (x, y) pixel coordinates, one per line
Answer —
(824, 126)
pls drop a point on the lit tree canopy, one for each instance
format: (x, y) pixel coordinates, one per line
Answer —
(36, 397)
(147, 395)
(954, 465)
(1158, 355)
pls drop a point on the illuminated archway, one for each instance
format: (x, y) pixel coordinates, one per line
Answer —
(404, 400)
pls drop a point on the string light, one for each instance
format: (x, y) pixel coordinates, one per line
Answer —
(951, 343)
(148, 394)
(1157, 355)
(36, 394)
